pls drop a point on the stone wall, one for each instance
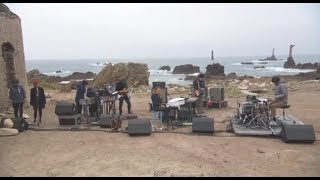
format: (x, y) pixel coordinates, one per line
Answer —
(11, 35)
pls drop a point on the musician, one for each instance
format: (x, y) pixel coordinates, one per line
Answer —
(37, 100)
(280, 94)
(199, 86)
(122, 88)
(81, 90)
(91, 93)
(157, 104)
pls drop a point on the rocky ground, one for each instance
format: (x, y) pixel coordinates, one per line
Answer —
(88, 153)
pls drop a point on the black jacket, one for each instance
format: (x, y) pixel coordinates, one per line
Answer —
(156, 100)
(42, 97)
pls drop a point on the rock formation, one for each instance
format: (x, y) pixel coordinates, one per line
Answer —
(215, 69)
(290, 62)
(35, 74)
(272, 58)
(165, 68)
(12, 61)
(186, 69)
(136, 74)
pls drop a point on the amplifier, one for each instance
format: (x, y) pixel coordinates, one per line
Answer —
(203, 125)
(160, 84)
(216, 94)
(217, 104)
(139, 127)
(297, 133)
(65, 108)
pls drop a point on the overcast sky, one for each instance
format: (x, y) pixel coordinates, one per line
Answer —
(70, 31)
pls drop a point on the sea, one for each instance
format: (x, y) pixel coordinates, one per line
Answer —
(66, 67)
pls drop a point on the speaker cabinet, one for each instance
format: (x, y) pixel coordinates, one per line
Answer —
(297, 133)
(216, 94)
(65, 108)
(205, 125)
(159, 84)
(139, 127)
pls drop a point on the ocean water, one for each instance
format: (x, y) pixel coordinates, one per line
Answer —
(231, 64)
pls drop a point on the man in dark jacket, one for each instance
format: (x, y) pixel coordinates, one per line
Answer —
(17, 97)
(122, 88)
(280, 95)
(81, 90)
(37, 100)
(199, 86)
(157, 104)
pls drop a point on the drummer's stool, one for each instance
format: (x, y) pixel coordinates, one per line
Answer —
(157, 115)
(283, 113)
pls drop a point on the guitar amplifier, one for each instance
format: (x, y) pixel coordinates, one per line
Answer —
(217, 104)
(205, 125)
(163, 94)
(139, 127)
(65, 108)
(216, 94)
(184, 115)
(159, 84)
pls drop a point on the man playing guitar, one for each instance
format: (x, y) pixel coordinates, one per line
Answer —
(121, 88)
(199, 90)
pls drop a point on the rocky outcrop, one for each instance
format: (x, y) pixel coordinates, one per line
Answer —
(35, 74)
(186, 69)
(289, 63)
(307, 66)
(215, 69)
(167, 68)
(232, 75)
(136, 74)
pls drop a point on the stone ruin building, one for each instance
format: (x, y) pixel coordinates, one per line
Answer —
(12, 61)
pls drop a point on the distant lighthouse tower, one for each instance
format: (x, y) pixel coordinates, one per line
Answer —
(212, 55)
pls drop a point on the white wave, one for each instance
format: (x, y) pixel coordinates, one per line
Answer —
(58, 73)
(236, 64)
(98, 64)
(281, 69)
(160, 72)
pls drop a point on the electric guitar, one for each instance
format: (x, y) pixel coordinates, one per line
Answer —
(123, 92)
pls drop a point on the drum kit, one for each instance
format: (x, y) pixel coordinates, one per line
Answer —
(255, 113)
(105, 99)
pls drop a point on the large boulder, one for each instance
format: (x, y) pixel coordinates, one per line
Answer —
(186, 69)
(136, 74)
(289, 63)
(215, 69)
(167, 68)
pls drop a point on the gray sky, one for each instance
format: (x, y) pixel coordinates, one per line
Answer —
(65, 31)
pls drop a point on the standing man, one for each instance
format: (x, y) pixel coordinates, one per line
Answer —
(37, 100)
(122, 88)
(17, 97)
(81, 90)
(199, 86)
(280, 95)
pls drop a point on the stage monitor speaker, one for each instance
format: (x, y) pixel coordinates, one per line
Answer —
(297, 133)
(65, 108)
(200, 124)
(160, 84)
(163, 94)
(139, 127)
(217, 94)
